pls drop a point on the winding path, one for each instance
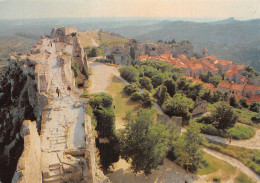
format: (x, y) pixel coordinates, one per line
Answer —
(234, 163)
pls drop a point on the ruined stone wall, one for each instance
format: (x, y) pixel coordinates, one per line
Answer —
(29, 165)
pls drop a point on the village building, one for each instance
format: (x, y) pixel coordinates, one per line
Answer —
(235, 74)
(251, 91)
(231, 88)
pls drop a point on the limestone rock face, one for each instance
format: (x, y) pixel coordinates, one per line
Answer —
(20, 100)
(125, 54)
(184, 47)
(29, 167)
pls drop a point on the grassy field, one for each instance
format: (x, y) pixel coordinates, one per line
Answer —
(244, 116)
(249, 157)
(106, 39)
(221, 171)
(122, 101)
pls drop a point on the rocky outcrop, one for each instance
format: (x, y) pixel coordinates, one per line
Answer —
(20, 100)
(126, 54)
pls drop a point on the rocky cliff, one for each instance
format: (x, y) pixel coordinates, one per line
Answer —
(20, 100)
(30, 111)
(125, 54)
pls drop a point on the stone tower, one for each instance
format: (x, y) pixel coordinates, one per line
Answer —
(205, 52)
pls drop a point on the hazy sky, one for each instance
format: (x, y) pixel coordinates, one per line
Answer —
(241, 9)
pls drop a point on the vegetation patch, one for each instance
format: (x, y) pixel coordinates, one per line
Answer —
(245, 116)
(238, 132)
(249, 157)
(243, 178)
(122, 101)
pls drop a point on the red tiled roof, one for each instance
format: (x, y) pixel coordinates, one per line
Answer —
(210, 66)
(211, 57)
(210, 86)
(194, 65)
(252, 87)
(223, 62)
(235, 69)
(183, 57)
(232, 86)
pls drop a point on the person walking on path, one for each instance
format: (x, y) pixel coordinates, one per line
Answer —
(58, 92)
(69, 89)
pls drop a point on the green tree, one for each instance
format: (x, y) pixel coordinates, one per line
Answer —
(149, 71)
(147, 99)
(187, 149)
(136, 96)
(223, 116)
(132, 53)
(233, 102)
(171, 87)
(144, 143)
(130, 89)
(217, 95)
(161, 95)
(254, 106)
(215, 80)
(129, 73)
(243, 102)
(157, 80)
(146, 83)
(179, 105)
(101, 105)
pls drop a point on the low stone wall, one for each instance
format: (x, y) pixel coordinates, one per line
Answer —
(28, 167)
(94, 174)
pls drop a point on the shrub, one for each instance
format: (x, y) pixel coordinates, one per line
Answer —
(146, 83)
(85, 72)
(256, 119)
(147, 99)
(254, 106)
(75, 68)
(209, 129)
(243, 102)
(241, 132)
(130, 89)
(216, 179)
(206, 119)
(136, 96)
(171, 86)
(157, 80)
(129, 73)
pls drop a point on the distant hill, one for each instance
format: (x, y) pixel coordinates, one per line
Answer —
(231, 39)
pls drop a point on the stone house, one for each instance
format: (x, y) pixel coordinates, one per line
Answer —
(251, 91)
(231, 88)
(235, 74)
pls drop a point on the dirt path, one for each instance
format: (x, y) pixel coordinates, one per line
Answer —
(63, 127)
(101, 77)
(234, 163)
